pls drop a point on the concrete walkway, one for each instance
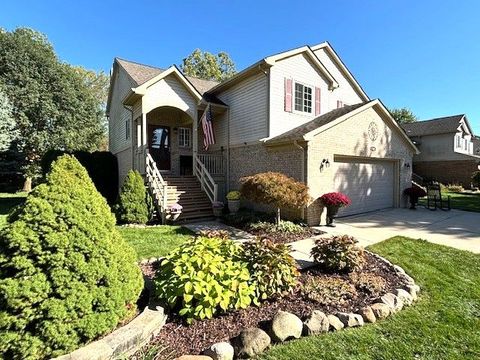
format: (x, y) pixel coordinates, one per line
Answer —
(455, 228)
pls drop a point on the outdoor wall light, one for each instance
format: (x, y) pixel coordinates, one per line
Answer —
(407, 165)
(325, 163)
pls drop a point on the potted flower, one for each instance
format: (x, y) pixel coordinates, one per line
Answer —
(233, 198)
(414, 193)
(217, 207)
(174, 211)
(333, 202)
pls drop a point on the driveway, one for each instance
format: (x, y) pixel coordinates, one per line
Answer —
(455, 228)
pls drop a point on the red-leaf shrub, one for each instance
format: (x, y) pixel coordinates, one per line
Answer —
(335, 199)
(415, 191)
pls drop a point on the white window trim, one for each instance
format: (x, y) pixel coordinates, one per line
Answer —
(312, 108)
(189, 137)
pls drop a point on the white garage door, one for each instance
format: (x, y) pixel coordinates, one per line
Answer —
(370, 185)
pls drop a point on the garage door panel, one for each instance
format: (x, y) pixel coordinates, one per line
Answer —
(370, 185)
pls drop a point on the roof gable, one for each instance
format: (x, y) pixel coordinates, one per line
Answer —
(444, 125)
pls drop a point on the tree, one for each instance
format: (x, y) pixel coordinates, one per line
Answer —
(205, 65)
(53, 106)
(275, 189)
(132, 202)
(403, 115)
(8, 129)
(66, 274)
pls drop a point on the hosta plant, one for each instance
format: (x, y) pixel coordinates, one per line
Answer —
(338, 253)
(203, 277)
(328, 290)
(272, 269)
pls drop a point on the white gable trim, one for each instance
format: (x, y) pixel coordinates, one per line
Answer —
(271, 60)
(379, 107)
(328, 48)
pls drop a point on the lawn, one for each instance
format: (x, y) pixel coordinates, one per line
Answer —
(7, 202)
(443, 324)
(154, 241)
(468, 202)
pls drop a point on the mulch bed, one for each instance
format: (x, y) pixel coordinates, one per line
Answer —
(283, 237)
(182, 339)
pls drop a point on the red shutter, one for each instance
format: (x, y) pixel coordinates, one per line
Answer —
(288, 95)
(317, 101)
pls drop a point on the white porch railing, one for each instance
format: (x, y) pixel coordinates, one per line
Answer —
(157, 185)
(213, 163)
(205, 178)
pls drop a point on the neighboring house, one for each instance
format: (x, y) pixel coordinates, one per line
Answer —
(300, 112)
(449, 152)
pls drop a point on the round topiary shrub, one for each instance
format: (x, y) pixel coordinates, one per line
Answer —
(66, 275)
(338, 253)
(132, 206)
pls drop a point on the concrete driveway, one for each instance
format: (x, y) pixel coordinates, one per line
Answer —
(459, 229)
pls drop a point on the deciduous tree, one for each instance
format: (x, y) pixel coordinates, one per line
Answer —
(403, 115)
(205, 65)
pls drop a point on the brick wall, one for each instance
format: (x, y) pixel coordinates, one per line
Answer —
(447, 172)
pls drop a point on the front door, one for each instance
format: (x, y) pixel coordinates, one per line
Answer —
(159, 145)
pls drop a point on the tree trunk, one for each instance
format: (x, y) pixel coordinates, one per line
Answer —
(27, 185)
(277, 220)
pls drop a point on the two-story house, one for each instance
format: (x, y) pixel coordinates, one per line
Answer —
(300, 112)
(449, 152)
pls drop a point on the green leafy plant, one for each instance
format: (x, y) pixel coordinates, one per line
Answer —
(370, 283)
(287, 227)
(233, 195)
(328, 290)
(66, 274)
(454, 188)
(132, 206)
(338, 253)
(220, 234)
(476, 178)
(204, 276)
(272, 269)
(275, 189)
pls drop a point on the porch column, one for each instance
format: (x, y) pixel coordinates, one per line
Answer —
(195, 140)
(143, 143)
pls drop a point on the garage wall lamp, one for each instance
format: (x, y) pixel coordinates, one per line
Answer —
(407, 165)
(325, 163)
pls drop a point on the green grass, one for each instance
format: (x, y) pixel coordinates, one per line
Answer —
(155, 241)
(7, 202)
(467, 202)
(443, 324)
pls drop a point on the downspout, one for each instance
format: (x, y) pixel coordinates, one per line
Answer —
(295, 143)
(227, 182)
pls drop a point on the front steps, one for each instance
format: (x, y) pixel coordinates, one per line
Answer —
(186, 191)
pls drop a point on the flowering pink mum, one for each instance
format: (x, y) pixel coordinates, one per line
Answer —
(335, 199)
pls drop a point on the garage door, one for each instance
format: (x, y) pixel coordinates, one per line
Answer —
(370, 185)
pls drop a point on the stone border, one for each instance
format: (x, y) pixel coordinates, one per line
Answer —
(286, 326)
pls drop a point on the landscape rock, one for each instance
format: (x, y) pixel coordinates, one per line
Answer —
(393, 301)
(316, 323)
(285, 326)
(334, 323)
(408, 279)
(152, 260)
(398, 269)
(194, 357)
(411, 289)
(404, 296)
(220, 351)
(350, 319)
(380, 310)
(367, 314)
(251, 342)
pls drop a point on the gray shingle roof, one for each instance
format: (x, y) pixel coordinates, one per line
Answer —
(141, 73)
(444, 125)
(298, 132)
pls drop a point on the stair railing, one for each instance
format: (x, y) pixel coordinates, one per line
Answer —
(206, 180)
(157, 186)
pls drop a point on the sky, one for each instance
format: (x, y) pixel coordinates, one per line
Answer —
(424, 55)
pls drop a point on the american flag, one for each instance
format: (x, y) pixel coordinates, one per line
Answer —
(206, 120)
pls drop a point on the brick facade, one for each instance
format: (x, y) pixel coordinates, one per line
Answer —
(447, 172)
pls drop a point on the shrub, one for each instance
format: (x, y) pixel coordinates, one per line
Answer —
(338, 253)
(415, 192)
(370, 283)
(272, 269)
(476, 178)
(454, 187)
(283, 227)
(233, 195)
(66, 275)
(132, 207)
(328, 290)
(204, 276)
(335, 199)
(275, 189)
(220, 234)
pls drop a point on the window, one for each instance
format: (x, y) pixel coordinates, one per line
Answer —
(184, 137)
(127, 129)
(459, 141)
(303, 98)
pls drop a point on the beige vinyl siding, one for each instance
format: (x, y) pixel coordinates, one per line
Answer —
(345, 92)
(248, 102)
(169, 92)
(220, 129)
(118, 113)
(301, 69)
